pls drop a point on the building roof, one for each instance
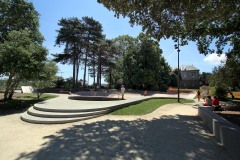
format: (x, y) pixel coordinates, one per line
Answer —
(187, 68)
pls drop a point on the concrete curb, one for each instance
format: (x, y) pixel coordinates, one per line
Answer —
(226, 133)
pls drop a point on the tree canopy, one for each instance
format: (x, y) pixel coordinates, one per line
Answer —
(80, 37)
(201, 21)
(139, 63)
(213, 25)
(18, 15)
(22, 56)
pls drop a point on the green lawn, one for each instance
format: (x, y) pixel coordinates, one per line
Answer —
(147, 106)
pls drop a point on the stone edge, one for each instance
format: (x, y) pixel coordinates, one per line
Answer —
(226, 133)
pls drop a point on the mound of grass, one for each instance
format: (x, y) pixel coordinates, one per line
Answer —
(147, 106)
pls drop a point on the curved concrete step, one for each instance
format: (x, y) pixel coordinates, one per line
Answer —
(34, 112)
(43, 120)
(70, 109)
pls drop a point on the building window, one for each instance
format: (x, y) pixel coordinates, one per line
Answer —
(184, 75)
(193, 75)
(193, 85)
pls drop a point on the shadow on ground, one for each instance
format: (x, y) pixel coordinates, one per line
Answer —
(169, 137)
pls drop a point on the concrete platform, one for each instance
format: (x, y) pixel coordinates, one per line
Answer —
(173, 131)
(65, 110)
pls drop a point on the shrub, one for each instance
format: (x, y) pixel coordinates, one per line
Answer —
(219, 91)
(163, 87)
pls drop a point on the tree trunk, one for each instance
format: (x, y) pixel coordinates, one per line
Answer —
(10, 88)
(85, 68)
(100, 76)
(77, 72)
(110, 78)
(99, 70)
(74, 67)
(94, 77)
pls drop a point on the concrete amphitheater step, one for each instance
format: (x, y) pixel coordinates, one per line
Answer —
(34, 112)
(44, 120)
(69, 108)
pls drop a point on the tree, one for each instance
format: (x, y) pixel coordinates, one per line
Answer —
(109, 60)
(20, 58)
(144, 65)
(79, 37)
(225, 76)
(22, 55)
(70, 34)
(93, 33)
(44, 77)
(121, 45)
(18, 15)
(188, 21)
(204, 78)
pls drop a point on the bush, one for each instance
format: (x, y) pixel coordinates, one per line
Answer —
(219, 91)
(163, 88)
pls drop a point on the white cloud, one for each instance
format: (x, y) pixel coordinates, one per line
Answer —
(215, 59)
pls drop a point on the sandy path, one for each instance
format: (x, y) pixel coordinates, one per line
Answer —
(171, 132)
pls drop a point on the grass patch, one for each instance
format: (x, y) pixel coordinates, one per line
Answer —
(21, 102)
(147, 106)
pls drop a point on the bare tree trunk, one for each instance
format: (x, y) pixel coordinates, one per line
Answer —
(85, 68)
(74, 71)
(77, 72)
(99, 70)
(94, 75)
(100, 76)
(110, 78)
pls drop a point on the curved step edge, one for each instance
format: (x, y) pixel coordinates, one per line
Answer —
(41, 120)
(34, 112)
(70, 110)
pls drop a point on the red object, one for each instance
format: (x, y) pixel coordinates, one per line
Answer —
(215, 102)
(198, 95)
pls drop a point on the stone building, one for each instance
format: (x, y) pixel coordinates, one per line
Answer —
(189, 77)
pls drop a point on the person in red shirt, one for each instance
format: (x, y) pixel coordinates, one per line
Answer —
(198, 95)
(215, 104)
(215, 101)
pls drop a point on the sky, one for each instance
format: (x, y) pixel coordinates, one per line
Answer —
(51, 11)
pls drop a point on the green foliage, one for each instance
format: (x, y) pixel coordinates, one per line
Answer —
(81, 38)
(20, 58)
(204, 78)
(190, 21)
(227, 75)
(186, 20)
(21, 50)
(163, 87)
(144, 64)
(18, 15)
(219, 91)
(45, 77)
(147, 106)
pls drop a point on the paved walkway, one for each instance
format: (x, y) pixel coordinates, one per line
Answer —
(172, 132)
